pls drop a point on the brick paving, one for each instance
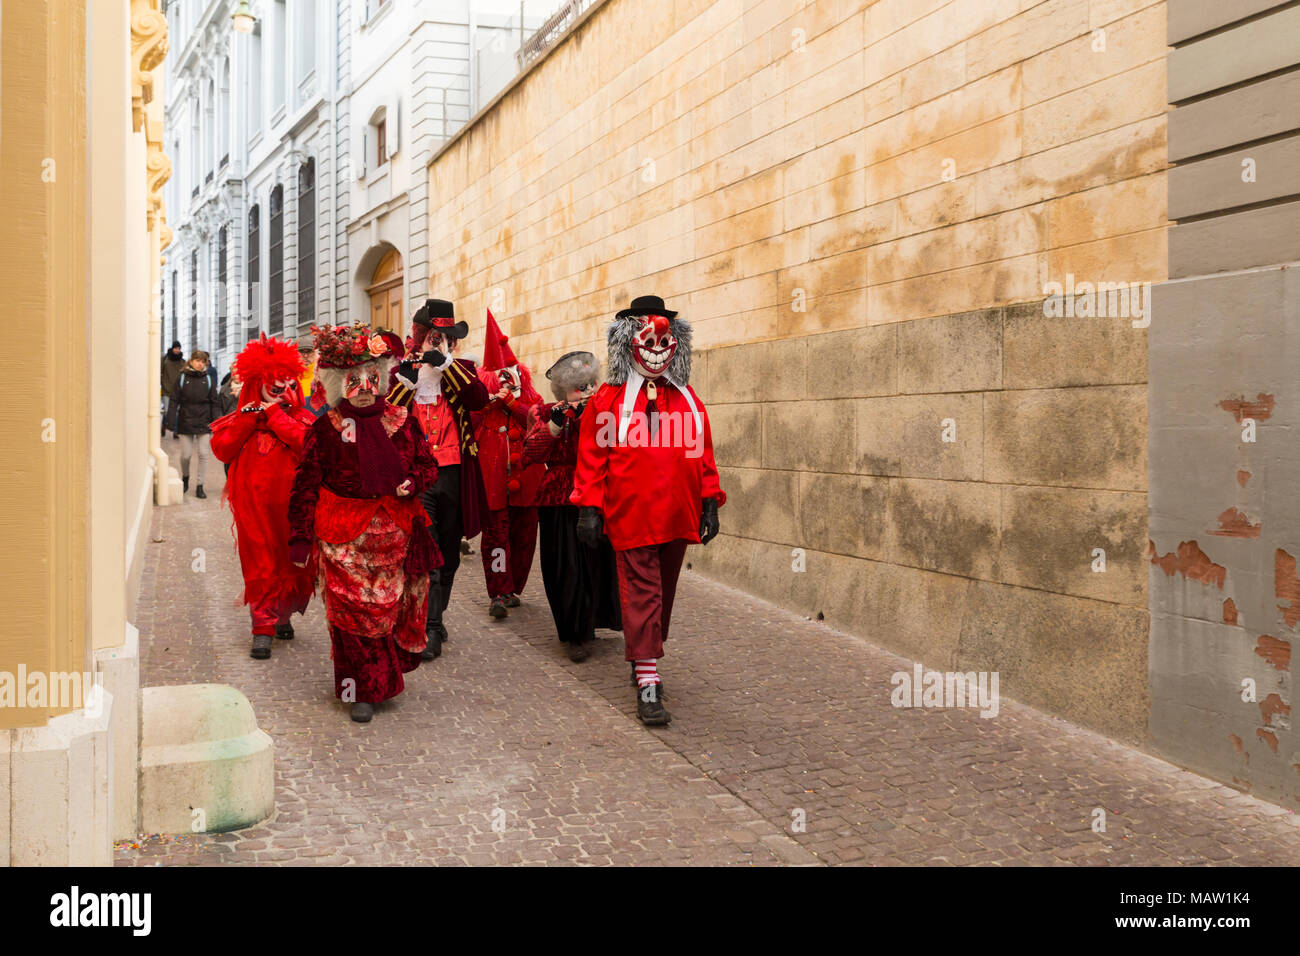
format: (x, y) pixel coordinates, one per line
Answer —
(778, 722)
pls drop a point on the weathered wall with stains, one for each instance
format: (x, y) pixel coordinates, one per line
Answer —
(1224, 410)
(858, 204)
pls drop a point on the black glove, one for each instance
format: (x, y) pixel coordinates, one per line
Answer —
(590, 526)
(433, 357)
(708, 520)
(558, 416)
(407, 371)
(577, 409)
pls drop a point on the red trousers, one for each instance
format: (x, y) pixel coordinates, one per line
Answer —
(267, 614)
(647, 584)
(509, 541)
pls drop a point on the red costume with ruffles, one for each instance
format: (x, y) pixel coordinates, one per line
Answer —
(368, 544)
(263, 448)
(373, 553)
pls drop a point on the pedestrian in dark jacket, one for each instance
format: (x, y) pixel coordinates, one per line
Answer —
(194, 408)
(172, 363)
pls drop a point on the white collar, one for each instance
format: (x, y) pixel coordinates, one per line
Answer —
(632, 388)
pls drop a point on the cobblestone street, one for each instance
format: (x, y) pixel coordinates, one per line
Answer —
(777, 720)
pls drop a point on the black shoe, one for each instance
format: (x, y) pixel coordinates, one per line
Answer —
(649, 706)
(198, 492)
(433, 644)
(362, 712)
(261, 647)
(579, 652)
(185, 485)
(284, 632)
(512, 600)
(498, 608)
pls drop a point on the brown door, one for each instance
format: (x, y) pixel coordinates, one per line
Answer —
(385, 291)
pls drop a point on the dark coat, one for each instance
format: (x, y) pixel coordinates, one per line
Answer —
(195, 404)
(171, 371)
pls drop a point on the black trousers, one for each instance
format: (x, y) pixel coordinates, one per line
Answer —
(581, 582)
(442, 504)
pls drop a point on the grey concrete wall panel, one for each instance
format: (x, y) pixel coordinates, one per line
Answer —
(1215, 343)
(1242, 53)
(1212, 185)
(1191, 18)
(1267, 108)
(1239, 240)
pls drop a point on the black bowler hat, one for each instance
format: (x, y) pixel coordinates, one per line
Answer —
(646, 305)
(440, 315)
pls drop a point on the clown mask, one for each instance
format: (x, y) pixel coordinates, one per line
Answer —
(653, 346)
(509, 378)
(277, 391)
(361, 385)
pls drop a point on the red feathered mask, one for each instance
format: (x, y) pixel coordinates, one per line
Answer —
(268, 363)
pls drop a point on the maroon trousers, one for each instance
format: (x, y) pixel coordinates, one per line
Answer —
(647, 584)
(509, 542)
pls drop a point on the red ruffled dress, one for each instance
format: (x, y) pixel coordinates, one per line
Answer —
(372, 554)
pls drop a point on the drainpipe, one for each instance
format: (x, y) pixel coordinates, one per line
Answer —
(161, 463)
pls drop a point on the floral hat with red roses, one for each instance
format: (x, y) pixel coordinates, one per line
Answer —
(347, 346)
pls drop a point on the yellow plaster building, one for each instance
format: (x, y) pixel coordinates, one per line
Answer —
(83, 166)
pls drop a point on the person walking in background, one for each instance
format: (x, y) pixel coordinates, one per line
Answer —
(581, 582)
(194, 407)
(172, 363)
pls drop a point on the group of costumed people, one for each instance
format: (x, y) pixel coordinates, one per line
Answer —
(419, 448)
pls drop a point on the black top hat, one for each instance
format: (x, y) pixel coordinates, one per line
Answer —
(440, 314)
(646, 305)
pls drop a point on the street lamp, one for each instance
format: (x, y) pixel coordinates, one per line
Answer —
(243, 18)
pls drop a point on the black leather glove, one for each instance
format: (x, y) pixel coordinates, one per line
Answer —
(407, 371)
(708, 520)
(558, 416)
(590, 525)
(433, 357)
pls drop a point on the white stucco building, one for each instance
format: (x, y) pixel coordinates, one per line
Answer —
(301, 149)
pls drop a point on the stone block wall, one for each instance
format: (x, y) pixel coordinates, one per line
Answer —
(859, 205)
(976, 553)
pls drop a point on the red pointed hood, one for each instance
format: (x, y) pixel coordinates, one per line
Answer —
(497, 353)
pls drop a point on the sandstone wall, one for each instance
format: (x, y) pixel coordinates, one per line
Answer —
(858, 205)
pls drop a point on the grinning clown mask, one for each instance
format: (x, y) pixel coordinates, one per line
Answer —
(653, 346)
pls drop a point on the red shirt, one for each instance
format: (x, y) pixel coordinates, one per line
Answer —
(439, 426)
(649, 489)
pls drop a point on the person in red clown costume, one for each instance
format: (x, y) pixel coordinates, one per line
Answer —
(356, 518)
(646, 478)
(261, 442)
(510, 526)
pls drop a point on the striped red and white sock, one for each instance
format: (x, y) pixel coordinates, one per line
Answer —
(647, 672)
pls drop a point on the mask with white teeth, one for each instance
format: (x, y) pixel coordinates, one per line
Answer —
(653, 346)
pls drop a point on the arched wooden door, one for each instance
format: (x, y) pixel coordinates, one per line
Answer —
(385, 292)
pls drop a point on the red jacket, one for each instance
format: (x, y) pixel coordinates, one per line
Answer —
(501, 429)
(650, 491)
(263, 449)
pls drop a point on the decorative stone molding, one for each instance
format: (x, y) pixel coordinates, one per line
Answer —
(148, 47)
